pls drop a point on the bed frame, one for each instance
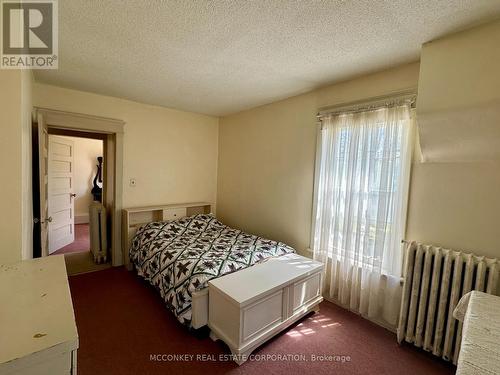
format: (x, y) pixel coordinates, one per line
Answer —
(135, 217)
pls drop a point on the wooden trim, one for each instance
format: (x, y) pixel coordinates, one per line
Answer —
(80, 121)
(167, 206)
(118, 259)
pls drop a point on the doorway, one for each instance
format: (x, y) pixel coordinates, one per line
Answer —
(77, 174)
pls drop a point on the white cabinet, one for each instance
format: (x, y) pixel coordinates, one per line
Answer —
(37, 325)
(248, 307)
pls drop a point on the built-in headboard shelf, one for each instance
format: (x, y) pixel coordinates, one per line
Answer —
(134, 217)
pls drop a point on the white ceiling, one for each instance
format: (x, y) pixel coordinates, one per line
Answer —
(219, 57)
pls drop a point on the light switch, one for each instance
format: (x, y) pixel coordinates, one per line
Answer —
(133, 182)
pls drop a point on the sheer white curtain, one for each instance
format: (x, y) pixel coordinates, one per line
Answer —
(363, 166)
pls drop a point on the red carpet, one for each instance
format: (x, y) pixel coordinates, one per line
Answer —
(122, 321)
(81, 242)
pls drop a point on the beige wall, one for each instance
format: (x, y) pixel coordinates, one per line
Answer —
(171, 154)
(85, 152)
(266, 157)
(456, 205)
(16, 221)
(459, 102)
(11, 166)
(266, 167)
(460, 70)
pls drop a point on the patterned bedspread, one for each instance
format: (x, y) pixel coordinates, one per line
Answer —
(180, 257)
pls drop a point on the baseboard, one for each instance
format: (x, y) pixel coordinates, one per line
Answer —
(82, 219)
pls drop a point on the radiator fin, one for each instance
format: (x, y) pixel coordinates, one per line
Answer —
(98, 232)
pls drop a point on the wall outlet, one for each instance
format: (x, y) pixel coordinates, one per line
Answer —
(133, 182)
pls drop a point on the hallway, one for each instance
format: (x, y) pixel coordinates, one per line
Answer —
(81, 242)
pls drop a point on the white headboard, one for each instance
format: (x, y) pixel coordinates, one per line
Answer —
(134, 217)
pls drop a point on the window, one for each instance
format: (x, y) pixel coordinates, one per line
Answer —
(361, 188)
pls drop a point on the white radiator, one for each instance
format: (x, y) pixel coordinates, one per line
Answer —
(98, 236)
(435, 279)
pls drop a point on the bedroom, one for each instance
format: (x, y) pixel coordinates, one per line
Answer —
(221, 107)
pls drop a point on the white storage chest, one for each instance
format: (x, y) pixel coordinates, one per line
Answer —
(248, 307)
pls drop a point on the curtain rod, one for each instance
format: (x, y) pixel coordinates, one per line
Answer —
(394, 98)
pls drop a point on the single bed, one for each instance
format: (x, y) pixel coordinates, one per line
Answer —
(180, 254)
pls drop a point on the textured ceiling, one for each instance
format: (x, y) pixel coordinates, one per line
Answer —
(219, 57)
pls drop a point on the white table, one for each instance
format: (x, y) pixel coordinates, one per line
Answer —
(248, 307)
(480, 349)
(38, 332)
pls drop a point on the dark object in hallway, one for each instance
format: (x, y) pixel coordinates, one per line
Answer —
(97, 190)
(134, 324)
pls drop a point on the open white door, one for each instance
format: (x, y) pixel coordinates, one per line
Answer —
(60, 192)
(43, 140)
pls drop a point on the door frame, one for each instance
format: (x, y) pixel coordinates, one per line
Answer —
(111, 131)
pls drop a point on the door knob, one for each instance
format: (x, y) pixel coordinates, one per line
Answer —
(47, 220)
(73, 195)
